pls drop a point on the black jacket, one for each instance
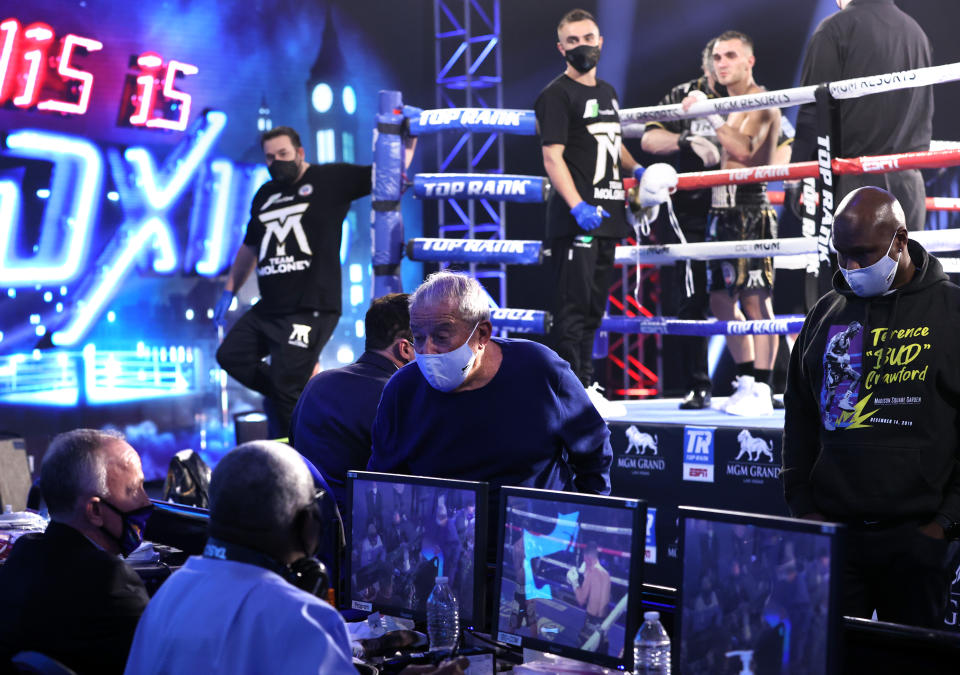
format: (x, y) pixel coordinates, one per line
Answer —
(869, 37)
(892, 453)
(64, 597)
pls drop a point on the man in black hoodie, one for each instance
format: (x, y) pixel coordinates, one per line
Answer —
(879, 452)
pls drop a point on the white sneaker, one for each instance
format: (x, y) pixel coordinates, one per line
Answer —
(604, 407)
(757, 403)
(742, 387)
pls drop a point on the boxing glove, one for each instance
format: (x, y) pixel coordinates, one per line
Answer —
(659, 181)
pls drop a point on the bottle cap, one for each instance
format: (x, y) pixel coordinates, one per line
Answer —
(443, 580)
(651, 616)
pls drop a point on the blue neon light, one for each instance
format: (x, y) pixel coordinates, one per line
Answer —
(77, 171)
(161, 197)
(217, 237)
(348, 222)
(153, 232)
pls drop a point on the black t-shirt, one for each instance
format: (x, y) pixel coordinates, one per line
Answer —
(296, 231)
(690, 203)
(586, 121)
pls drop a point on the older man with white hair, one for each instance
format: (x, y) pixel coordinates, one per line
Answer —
(505, 411)
(65, 592)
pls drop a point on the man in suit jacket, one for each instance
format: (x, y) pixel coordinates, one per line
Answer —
(65, 592)
(332, 420)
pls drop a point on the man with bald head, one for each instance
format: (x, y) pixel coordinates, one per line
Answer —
(873, 444)
(235, 610)
(65, 592)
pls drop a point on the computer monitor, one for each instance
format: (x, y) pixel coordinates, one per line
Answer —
(758, 594)
(405, 531)
(179, 526)
(569, 574)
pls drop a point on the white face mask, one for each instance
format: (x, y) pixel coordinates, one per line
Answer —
(446, 372)
(876, 278)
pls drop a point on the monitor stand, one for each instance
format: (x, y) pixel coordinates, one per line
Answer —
(384, 623)
(537, 663)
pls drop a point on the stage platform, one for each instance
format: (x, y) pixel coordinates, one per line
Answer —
(706, 458)
(667, 411)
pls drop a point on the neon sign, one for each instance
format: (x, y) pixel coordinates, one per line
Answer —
(147, 191)
(150, 98)
(34, 74)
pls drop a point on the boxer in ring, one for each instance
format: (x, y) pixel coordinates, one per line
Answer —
(742, 213)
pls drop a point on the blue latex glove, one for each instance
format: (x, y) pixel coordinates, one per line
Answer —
(220, 310)
(589, 217)
(638, 172)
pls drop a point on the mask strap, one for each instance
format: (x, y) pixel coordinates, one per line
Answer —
(467, 341)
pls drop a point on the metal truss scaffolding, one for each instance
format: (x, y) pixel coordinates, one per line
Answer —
(468, 66)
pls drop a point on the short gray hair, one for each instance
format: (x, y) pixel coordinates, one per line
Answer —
(259, 487)
(463, 291)
(74, 468)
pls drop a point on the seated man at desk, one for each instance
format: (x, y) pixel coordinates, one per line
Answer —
(65, 592)
(236, 609)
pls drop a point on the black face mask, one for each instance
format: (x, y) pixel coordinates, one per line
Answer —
(284, 171)
(134, 523)
(583, 58)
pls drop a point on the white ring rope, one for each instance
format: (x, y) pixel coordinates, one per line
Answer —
(856, 87)
(932, 240)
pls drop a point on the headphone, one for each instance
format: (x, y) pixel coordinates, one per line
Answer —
(308, 574)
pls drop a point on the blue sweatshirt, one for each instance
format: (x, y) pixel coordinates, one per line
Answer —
(532, 425)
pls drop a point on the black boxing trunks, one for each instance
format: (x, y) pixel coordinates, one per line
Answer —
(740, 213)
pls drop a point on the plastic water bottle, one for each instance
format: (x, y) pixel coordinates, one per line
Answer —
(651, 648)
(443, 617)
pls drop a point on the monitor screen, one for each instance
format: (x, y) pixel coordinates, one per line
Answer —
(758, 594)
(405, 531)
(569, 574)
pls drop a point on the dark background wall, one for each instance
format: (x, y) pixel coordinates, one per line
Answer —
(269, 48)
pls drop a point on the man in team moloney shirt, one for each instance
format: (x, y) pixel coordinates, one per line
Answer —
(293, 242)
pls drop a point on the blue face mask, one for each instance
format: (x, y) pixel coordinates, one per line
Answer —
(875, 279)
(446, 372)
(134, 523)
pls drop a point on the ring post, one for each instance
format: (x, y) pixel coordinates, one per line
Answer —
(387, 187)
(818, 284)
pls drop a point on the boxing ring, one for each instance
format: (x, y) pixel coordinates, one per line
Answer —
(395, 121)
(667, 455)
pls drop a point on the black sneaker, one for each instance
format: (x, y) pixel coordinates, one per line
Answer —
(696, 399)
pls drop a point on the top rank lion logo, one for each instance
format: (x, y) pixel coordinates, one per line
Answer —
(753, 448)
(640, 442)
